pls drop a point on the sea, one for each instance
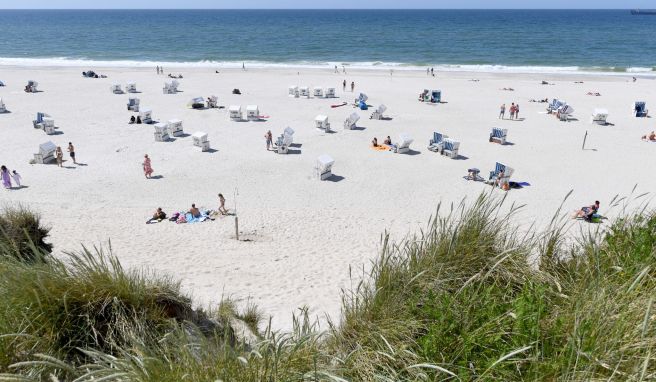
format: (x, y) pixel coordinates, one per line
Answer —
(600, 41)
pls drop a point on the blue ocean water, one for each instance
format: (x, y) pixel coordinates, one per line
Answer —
(599, 40)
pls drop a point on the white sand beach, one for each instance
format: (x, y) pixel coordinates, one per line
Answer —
(300, 235)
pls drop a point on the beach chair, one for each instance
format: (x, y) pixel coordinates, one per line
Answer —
(317, 92)
(31, 86)
(284, 141)
(171, 87)
(252, 113)
(46, 153)
(321, 122)
(600, 116)
(212, 102)
(351, 121)
(293, 91)
(361, 98)
(146, 116)
(329, 93)
(304, 91)
(404, 144)
(175, 127)
(200, 141)
(44, 122)
(234, 112)
(378, 113)
(501, 175)
(3, 108)
(197, 103)
(432, 96)
(116, 89)
(450, 148)
(162, 132)
(499, 135)
(324, 167)
(640, 109)
(565, 113)
(131, 87)
(555, 105)
(133, 104)
(436, 143)
(2, 84)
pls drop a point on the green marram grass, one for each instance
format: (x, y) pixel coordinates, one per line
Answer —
(469, 298)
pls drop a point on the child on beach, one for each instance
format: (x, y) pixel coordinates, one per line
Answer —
(6, 178)
(17, 178)
(147, 168)
(222, 208)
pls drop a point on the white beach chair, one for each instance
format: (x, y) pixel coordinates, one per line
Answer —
(162, 132)
(131, 87)
(378, 113)
(501, 175)
(324, 167)
(175, 127)
(252, 113)
(212, 102)
(200, 141)
(32, 86)
(293, 91)
(404, 144)
(116, 89)
(146, 116)
(555, 105)
(436, 143)
(565, 113)
(450, 148)
(133, 104)
(321, 122)
(234, 111)
(329, 93)
(46, 153)
(351, 121)
(361, 98)
(600, 116)
(317, 92)
(3, 108)
(44, 122)
(284, 141)
(304, 91)
(498, 135)
(171, 87)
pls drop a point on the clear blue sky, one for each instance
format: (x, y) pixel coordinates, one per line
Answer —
(346, 4)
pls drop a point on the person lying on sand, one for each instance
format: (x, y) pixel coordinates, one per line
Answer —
(587, 212)
(508, 89)
(195, 212)
(596, 94)
(650, 137)
(158, 216)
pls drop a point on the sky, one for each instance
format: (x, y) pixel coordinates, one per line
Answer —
(321, 4)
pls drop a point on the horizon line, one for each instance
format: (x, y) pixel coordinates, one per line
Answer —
(318, 9)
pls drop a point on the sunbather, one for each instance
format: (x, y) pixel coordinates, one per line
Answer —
(388, 140)
(587, 212)
(650, 137)
(138, 120)
(132, 120)
(195, 212)
(158, 216)
(374, 142)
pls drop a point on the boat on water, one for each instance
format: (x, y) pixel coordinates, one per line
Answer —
(643, 12)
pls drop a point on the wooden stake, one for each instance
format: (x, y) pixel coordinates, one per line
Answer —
(237, 228)
(585, 137)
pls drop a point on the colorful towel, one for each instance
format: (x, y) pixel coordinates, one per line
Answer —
(380, 148)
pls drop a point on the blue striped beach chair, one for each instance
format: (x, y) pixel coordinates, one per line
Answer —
(450, 148)
(501, 175)
(499, 135)
(435, 144)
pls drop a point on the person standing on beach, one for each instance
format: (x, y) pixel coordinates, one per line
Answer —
(512, 111)
(344, 86)
(502, 111)
(6, 177)
(243, 66)
(147, 168)
(59, 154)
(16, 177)
(269, 139)
(344, 69)
(517, 111)
(222, 208)
(336, 71)
(71, 151)
(428, 71)
(432, 72)
(352, 86)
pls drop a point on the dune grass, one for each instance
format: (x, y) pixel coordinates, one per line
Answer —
(468, 298)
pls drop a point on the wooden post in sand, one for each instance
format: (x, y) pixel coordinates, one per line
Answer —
(585, 137)
(237, 228)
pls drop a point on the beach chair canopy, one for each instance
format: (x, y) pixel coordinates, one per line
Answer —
(325, 162)
(234, 108)
(598, 112)
(288, 131)
(175, 121)
(133, 101)
(199, 136)
(2, 83)
(252, 108)
(353, 118)
(321, 118)
(362, 97)
(640, 106)
(197, 100)
(405, 140)
(437, 137)
(450, 144)
(381, 109)
(145, 112)
(47, 148)
(566, 109)
(160, 127)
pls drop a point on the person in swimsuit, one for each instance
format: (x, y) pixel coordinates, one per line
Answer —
(195, 212)
(71, 152)
(59, 154)
(374, 142)
(388, 140)
(222, 208)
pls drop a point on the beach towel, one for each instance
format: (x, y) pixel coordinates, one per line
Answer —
(381, 148)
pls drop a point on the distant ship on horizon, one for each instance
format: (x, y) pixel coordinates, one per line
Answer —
(643, 12)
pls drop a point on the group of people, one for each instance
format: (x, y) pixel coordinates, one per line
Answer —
(194, 211)
(649, 137)
(59, 154)
(8, 176)
(514, 111)
(134, 120)
(160, 69)
(352, 86)
(430, 72)
(387, 141)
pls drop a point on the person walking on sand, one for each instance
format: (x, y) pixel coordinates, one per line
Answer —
(6, 177)
(512, 110)
(71, 152)
(147, 168)
(269, 139)
(428, 71)
(344, 86)
(432, 72)
(59, 154)
(222, 208)
(243, 66)
(517, 111)
(352, 86)
(17, 178)
(343, 69)
(336, 71)
(502, 111)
